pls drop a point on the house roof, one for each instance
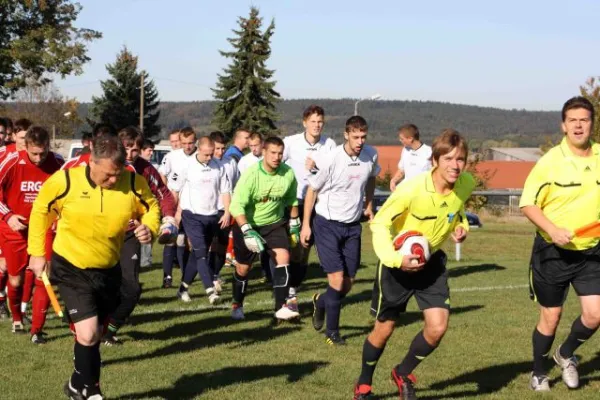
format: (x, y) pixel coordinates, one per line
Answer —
(521, 153)
(504, 174)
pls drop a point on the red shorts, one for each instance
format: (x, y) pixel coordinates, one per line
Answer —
(15, 253)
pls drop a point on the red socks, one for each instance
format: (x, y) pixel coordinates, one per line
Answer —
(40, 304)
(14, 298)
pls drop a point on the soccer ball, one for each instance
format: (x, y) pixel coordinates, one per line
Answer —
(412, 242)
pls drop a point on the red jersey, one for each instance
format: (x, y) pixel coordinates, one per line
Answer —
(165, 198)
(20, 182)
(6, 150)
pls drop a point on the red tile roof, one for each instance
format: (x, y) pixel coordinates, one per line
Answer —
(505, 174)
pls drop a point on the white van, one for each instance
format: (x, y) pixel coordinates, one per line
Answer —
(159, 152)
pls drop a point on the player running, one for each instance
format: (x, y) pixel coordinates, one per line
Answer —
(561, 195)
(344, 183)
(261, 196)
(431, 203)
(21, 176)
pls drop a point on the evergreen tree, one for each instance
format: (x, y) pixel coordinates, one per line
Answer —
(591, 91)
(120, 103)
(246, 95)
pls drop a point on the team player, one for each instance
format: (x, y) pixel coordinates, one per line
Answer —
(85, 259)
(147, 150)
(170, 169)
(240, 144)
(83, 158)
(174, 140)
(21, 176)
(261, 196)
(561, 195)
(432, 204)
(303, 153)
(255, 153)
(344, 183)
(202, 182)
(415, 157)
(20, 130)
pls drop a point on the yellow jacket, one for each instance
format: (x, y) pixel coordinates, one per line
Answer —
(91, 220)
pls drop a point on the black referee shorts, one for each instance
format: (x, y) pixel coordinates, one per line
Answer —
(553, 269)
(86, 292)
(394, 288)
(275, 235)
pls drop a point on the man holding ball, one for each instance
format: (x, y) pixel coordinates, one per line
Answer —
(431, 203)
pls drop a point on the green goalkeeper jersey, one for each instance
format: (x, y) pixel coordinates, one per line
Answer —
(262, 196)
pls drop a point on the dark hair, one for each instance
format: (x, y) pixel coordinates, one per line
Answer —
(577, 102)
(9, 123)
(148, 144)
(409, 130)
(174, 132)
(104, 129)
(448, 140)
(356, 123)
(218, 137)
(108, 147)
(187, 131)
(22, 124)
(274, 140)
(37, 136)
(239, 130)
(257, 135)
(313, 109)
(131, 135)
(4, 123)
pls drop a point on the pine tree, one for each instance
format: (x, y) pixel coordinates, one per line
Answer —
(246, 95)
(591, 91)
(120, 103)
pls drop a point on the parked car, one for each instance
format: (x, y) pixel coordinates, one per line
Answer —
(159, 152)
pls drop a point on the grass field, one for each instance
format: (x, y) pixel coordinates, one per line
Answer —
(177, 351)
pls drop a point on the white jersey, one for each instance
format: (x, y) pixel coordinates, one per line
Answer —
(297, 150)
(200, 186)
(414, 162)
(341, 182)
(232, 171)
(247, 161)
(173, 165)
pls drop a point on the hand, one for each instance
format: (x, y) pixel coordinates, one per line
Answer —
(393, 184)
(369, 213)
(305, 235)
(37, 264)
(225, 220)
(310, 164)
(295, 229)
(254, 242)
(410, 263)
(14, 222)
(143, 234)
(459, 235)
(167, 233)
(560, 236)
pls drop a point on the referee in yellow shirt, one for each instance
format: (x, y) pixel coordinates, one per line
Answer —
(561, 194)
(94, 204)
(431, 203)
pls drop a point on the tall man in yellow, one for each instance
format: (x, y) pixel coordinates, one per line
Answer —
(94, 204)
(561, 194)
(431, 203)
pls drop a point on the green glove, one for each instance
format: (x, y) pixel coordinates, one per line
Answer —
(295, 229)
(254, 242)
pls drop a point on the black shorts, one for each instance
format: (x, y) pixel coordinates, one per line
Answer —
(275, 235)
(553, 269)
(394, 287)
(222, 234)
(86, 292)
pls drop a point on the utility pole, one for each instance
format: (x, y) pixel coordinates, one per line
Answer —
(142, 103)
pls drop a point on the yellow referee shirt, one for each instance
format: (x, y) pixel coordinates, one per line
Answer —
(567, 189)
(415, 205)
(92, 220)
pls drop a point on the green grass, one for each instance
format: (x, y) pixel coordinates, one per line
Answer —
(177, 351)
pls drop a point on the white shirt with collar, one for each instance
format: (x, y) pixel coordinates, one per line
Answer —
(415, 162)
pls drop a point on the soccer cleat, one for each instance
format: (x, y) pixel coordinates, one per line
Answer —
(217, 284)
(214, 299)
(237, 312)
(318, 317)
(109, 339)
(284, 313)
(539, 383)
(3, 310)
(167, 282)
(570, 375)
(86, 394)
(406, 390)
(38, 338)
(17, 327)
(292, 304)
(184, 296)
(362, 392)
(334, 339)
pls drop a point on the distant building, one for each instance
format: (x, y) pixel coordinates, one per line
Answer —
(513, 154)
(504, 175)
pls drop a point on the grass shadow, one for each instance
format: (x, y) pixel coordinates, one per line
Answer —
(473, 269)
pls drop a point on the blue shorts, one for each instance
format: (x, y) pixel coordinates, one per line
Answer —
(338, 245)
(200, 230)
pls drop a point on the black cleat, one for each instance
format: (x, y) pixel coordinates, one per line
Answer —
(406, 390)
(334, 339)
(38, 338)
(362, 392)
(318, 317)
(109, 339)
(3, 310)
(167, 282)
(91, 393)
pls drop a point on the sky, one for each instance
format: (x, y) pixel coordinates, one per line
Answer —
(530, 55)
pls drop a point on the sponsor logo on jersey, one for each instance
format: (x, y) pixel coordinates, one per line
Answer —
(31, 186)
(85, 195)
(354, 164)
